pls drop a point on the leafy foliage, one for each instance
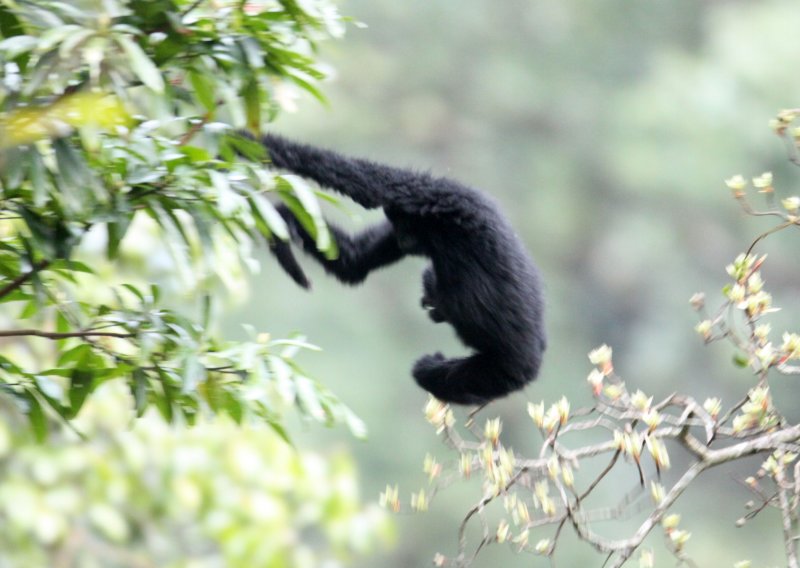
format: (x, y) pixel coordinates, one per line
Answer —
(218, 494)
(118, 126)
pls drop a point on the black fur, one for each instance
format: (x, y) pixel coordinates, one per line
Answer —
(480, 280)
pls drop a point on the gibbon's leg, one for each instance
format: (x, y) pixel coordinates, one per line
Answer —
(359, 254)
(469, 380)
(430, 296)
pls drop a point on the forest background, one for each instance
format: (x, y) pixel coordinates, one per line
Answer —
(605, 130)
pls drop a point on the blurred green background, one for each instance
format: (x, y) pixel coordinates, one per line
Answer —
(605, 130)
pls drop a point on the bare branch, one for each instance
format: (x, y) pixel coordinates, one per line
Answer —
(63, 335)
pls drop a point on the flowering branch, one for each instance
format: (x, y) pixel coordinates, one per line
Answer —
(534, 493)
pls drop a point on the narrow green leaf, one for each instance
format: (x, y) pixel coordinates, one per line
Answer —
(356, 425)
(139, 390)
(75, 40)
(62, 323)
(311, 89)
(69, 265)
(142, 65)
(195, 154)
(309, 401)
(38, 176)
(264, 212)
(116, 231)
(309, 209)
(164, 400)
(17, 45)
(9, 23)
(37, 418)
(135, 291)
(253, 52)
(249, 148)
(30, 309)
(203, 89)
(155, 293)
(81, 385)
(205, 315)
(75, 357)
(280, 431)
(233, 407)
(54, 36)
(252, 103)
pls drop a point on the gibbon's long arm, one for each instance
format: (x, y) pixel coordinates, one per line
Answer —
(480, 280)
(371, 184)
(363, 181)
(359, 254)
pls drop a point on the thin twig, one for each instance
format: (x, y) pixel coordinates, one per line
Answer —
(22, 278)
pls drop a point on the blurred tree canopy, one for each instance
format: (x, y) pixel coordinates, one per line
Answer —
(118, 148)
(128, 217)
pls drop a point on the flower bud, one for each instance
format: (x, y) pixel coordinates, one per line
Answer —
(764, 182)
(791, 204)
(602, 358)
(737, 183)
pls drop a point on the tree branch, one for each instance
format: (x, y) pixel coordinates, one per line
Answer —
(22, 278)
(62, 335)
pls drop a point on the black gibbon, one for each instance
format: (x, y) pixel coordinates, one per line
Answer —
(480, 279)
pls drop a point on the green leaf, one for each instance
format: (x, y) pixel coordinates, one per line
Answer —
(37, 418)
(62, 323)
(9, 366)
(69, 265)
(17, 45)
(75, 179)
(142, 65)
(308, 398)
(252, 52)
(203, 89)
(139, 390)
(278, 428)
(252, 103)
(304, 205)
(75, 357)
(9, 23)
(195, 154)
(233, 407)
(135, 291)
(193, 374)
(251, 149)
(54, 36)
(356, 425)
(37, 174)
(268, 220)
(311, 89)
(30, 309)
(81, 385)
(73, 41)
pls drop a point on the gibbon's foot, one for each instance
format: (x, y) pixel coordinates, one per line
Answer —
(439, 376)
